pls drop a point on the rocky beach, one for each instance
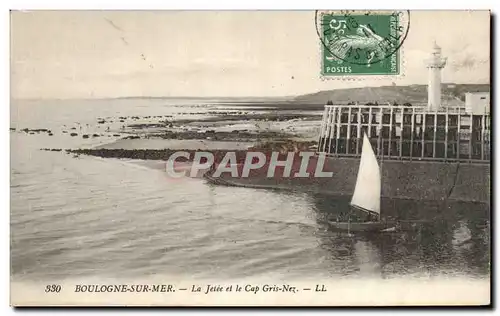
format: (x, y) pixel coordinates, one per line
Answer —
(238, 127)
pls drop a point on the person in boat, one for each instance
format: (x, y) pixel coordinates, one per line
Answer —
(340, 217)
(370, 217)
(344, 217)
(356, 216)
(363, 217)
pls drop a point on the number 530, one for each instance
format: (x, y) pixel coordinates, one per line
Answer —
(53, 288)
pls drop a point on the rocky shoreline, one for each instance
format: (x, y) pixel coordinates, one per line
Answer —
(283, 147)
(152, 139)
(257, 123)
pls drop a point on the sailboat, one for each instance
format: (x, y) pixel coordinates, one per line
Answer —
(366, 197)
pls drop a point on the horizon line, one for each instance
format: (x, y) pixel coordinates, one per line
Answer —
(283, 98)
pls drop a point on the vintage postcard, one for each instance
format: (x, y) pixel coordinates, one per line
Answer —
(250, 158)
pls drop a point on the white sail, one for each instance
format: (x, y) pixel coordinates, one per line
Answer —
(367, 191)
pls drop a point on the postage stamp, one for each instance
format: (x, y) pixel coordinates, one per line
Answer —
(361, 43)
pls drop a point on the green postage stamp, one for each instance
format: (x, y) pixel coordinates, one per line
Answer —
(361, 43)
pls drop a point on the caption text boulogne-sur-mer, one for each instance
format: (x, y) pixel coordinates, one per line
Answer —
(194, 288)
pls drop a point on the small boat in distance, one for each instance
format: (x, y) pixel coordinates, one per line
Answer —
(366, 197)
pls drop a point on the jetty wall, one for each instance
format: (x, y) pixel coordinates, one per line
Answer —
(400, 179)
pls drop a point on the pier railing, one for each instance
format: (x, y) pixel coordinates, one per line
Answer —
(406, 133)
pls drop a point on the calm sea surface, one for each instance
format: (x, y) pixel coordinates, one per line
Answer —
(87, 216)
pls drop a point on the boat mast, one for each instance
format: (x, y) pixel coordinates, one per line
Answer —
(381, 171)
(380, 149)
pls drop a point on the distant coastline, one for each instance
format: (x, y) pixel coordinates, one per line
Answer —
(417, 93)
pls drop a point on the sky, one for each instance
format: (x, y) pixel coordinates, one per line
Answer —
(101, 54)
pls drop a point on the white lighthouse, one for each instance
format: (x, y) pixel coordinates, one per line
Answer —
(435, 64)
